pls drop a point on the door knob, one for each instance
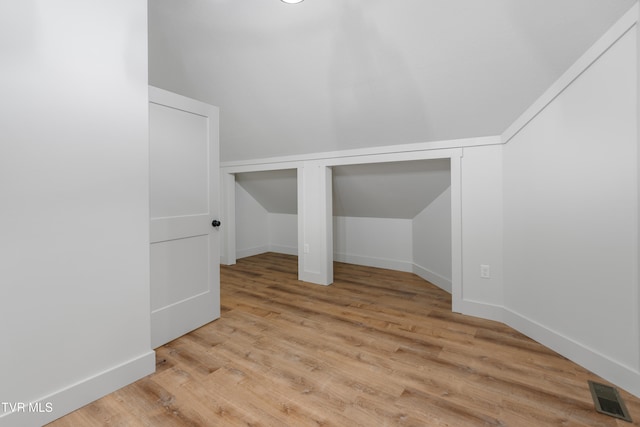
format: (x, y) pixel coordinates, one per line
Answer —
(216, 223)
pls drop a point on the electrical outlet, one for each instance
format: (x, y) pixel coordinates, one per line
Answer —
(485, 271)
(306, 248)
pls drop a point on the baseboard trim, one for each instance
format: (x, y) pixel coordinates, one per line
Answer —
(243, 253)
(225, 261)
(482, 310)
(313, 277)
(77, 395)
(287, 250)
(435, 278)
(623, 376)
(389, 264)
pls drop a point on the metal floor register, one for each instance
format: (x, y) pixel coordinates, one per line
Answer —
(608, 401)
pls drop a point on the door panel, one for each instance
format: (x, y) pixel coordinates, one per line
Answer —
(179, 160)
(184, 262)
(184, 188)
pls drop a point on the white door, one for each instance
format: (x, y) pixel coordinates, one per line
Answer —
(184, 187)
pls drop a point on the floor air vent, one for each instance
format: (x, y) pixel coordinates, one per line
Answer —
(608, 401)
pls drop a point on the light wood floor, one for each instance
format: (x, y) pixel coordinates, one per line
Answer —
(377, 348)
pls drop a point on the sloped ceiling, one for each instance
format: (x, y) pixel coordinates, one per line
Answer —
(380, 190)
(337, 74)
(389, 190)
(276, 191)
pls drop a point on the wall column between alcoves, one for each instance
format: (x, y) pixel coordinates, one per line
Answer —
(228, 218)
(315, 223)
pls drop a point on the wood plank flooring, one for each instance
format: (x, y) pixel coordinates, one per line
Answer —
(376, 348)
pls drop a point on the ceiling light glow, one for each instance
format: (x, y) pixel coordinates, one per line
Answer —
(291, 1)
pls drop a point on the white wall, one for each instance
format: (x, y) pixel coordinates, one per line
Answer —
(377, 242)
(259, 231)
(570, 220)
(74, 187)
(482, 230)
(252, 225)
(431, 242)
(283, 233)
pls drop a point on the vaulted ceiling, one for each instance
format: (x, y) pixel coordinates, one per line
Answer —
(325, 75)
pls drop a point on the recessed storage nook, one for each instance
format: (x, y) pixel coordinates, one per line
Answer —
(394, 215)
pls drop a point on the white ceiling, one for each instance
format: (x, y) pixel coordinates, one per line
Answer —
(329, 75)
(337, 74)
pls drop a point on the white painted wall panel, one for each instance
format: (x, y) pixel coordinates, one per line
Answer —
(74, 184)
(252, 225)
(431, 237)
(570, 206)
(377, 242)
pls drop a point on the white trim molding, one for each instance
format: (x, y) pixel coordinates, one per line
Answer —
(625, 377)
(432, 277)
(603, 44)
(334, 158)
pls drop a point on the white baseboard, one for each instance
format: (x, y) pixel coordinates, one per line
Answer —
(287, 250)
(482, 310)
(435, 278)
(623, 376)
(77, 395)
(225, 261)
(243, 253)
(390, 264)
(374, 262)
